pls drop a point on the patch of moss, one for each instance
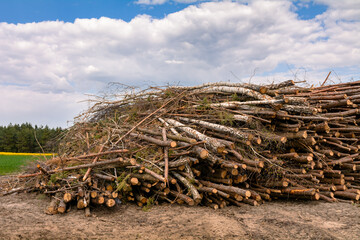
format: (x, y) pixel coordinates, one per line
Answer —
(235, 97)
(56, 176)
(226, 118)
(149, 204)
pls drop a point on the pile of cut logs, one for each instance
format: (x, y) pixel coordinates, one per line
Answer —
(216, 144)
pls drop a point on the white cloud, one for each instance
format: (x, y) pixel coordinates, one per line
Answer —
(344, 10)
(189, 1)
(151, 2)
(174, 61)
(208, 42)
(20, 105)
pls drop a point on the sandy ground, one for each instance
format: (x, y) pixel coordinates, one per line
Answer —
(22, 217)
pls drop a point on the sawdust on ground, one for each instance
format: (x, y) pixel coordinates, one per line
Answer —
(22, 217)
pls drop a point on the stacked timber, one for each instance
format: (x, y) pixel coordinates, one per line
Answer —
(216, 144)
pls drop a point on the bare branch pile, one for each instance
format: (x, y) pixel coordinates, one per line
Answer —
(216, 144)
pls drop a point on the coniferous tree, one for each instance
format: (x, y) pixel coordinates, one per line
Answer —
(26, 138)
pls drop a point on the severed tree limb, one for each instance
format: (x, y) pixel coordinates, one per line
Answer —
(92, 165)
(243, 117)
(152, 173)
(346, 159)
(166, 157)
(183, 197)
(16, 190)
(255, 87)
(154, 140)
(173, 164)
(198, 151)
(211, 142)
(173, 130)
(238, 90)
(297, 135)
(217, 127)
(94, 161)
(295, 100)
(58, 159)
(301, 109)
(42, 169)
(171, 136)
(287, 83)
(234, 104)
(194, 193)
(231, 189)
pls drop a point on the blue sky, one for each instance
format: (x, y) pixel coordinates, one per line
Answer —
(48, 67)
(25, 11)
(310, 10)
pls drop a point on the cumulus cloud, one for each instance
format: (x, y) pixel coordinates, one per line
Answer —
(212, 41)
(19, 105)
(341, 10)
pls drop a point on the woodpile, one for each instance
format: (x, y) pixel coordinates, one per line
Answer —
(216, 144)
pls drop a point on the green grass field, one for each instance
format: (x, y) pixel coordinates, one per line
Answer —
(13, 163)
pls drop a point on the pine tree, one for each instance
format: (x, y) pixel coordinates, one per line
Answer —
(22, 138)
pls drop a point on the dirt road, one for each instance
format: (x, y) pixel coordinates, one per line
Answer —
(22, 217)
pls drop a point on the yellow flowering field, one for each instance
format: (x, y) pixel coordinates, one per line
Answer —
(26, 154)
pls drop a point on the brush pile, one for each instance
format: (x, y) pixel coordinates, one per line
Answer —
(216, 144)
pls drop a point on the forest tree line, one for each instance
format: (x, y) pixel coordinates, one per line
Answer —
(26, 138)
